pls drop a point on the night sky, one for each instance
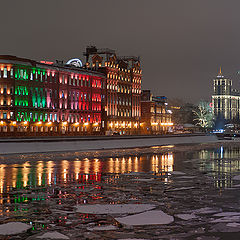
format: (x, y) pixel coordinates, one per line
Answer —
(181, 43)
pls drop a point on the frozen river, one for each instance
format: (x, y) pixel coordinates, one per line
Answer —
(193, 194)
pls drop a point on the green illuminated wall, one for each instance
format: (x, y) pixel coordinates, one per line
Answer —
(27, 92)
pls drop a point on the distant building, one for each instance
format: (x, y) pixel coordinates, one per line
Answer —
(225, 99)
(155, 116)
(121, 113)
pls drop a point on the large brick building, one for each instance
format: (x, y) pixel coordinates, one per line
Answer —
(155, 117)
(42, 98)
(122, 108)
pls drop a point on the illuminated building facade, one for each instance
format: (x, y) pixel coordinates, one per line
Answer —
(225, 100)
(42, 98)
(155, 117)
(122, 108)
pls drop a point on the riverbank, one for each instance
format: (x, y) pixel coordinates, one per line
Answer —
(45, 145)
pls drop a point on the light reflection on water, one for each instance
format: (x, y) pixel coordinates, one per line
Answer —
(221, 163)
(42, 173)
(31, 182)
(15, 178)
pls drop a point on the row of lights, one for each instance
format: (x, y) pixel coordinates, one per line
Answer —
(123, 125)
(162, 124)
(49, 123)
(112, 65)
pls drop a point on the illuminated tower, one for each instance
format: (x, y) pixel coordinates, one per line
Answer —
(225, 99)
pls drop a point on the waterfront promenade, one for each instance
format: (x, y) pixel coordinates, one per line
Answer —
(68, 144)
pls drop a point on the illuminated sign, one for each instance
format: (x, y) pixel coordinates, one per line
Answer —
(46, 62)
(75, 62)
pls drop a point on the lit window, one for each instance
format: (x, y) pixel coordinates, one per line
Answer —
(5, 72)
(21, 73)
(11, 73)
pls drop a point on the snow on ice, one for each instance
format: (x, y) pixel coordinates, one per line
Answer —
(185, 216)
(146, 218)
(13, 228)
(103, 228)
(52, 235)
(114, 208)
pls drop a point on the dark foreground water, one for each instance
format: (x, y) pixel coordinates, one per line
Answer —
(200, 189)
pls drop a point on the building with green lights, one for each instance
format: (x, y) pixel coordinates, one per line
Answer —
(46, 98)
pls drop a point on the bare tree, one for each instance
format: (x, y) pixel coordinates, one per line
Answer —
(204, 115)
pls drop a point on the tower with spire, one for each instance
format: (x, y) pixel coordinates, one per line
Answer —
(225, 99)
(220, 72)
(222, 85)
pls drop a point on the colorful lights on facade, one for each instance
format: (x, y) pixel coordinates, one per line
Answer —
(102, 97)
(45, 99)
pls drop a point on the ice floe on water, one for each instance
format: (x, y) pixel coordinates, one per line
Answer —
(52, 235)
(226, 214)
(13, 228)
(113, 208)
(185, 216)
(226, 228)
(206, 210)
(233, 224)
(226, 219)
(103, 228)
(146, 218)
(126, 204)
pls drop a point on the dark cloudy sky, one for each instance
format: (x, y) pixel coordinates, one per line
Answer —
(181, 43)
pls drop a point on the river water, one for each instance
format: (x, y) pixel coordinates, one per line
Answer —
(200, 189)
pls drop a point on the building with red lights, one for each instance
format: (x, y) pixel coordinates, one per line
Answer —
(44, 98)
(122, 89)
(155, 117)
